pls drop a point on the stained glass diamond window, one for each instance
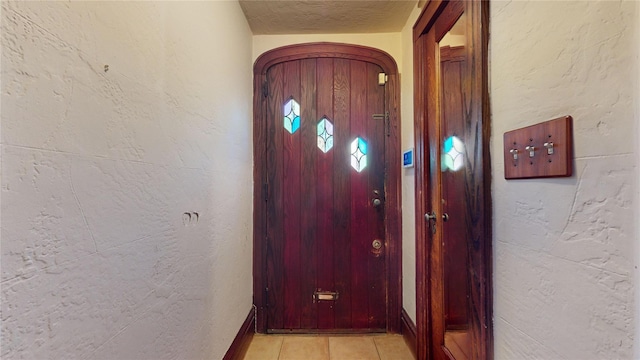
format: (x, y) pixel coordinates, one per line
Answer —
(359, 154)
(453, 154)
(291, 116)
(325, 135)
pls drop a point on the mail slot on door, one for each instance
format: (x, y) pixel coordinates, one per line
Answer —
(325, 296)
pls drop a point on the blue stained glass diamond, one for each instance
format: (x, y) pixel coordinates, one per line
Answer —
(291, 116)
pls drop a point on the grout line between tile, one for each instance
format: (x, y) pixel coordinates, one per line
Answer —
(280, 349)
(375, 344)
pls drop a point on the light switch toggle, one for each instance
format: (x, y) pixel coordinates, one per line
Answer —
(531, 150)
(549, 146)
(514, 152)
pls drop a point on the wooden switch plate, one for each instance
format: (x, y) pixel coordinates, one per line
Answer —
(546, 161)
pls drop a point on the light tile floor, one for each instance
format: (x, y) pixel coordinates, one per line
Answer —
(328, 347)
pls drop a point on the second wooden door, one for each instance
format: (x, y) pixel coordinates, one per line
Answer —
(452, 182)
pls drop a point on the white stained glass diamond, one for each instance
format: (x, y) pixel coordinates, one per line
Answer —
(325, 135)
(359, 154)
(453, 154)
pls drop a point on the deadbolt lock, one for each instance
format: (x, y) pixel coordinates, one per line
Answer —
(377, 244)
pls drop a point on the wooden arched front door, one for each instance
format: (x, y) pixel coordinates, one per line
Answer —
(326, 239)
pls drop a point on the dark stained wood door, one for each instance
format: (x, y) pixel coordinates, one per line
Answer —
(455, 210)
(325, 169)
(451, 186)
(452, 182)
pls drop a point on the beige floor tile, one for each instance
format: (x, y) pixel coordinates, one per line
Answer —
(264, 347)
(393, 347)
(352, 348)
(305, 348)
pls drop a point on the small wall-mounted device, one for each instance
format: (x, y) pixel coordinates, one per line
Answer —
(407, 158)
(382, 78)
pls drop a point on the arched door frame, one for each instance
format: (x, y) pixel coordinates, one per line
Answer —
(392, 166)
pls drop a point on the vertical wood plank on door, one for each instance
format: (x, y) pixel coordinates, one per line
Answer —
(360, 228)
(324, 193)
(291, 200)
(377, 283)
(275, 251)
(309, 255)
(259, 203)
(393, 204)
(342, 194)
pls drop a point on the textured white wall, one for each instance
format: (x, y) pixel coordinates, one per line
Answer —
(637, 196)
(564, 248)
(408, 174)
(99, 167)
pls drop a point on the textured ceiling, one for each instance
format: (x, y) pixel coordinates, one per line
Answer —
(326, 17)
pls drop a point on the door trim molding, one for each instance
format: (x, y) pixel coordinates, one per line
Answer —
(324, 50)
(409, 332)
(393, 214)
(482, 304)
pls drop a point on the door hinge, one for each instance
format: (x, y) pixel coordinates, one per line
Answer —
(265, 89)
(387, 123)
(265, 191)
(266, 296)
